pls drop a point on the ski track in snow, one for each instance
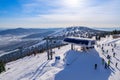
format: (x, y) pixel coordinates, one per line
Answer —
(39, 71)
(42, 69)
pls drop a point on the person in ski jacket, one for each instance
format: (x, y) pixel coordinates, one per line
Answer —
(105, 65)
(114, 54)
(103, 61)
(95, 66)
(108, 56)
(116, 64)
(108, 63)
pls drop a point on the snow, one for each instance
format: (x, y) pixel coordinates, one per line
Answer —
(80, 66)
(115, 71)
(31, 67)
(73, 65)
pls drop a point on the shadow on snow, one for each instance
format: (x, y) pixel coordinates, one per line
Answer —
(82, 68)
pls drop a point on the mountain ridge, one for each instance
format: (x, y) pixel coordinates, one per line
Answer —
(21, 31)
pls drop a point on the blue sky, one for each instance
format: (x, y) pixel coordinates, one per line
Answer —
(59, 13)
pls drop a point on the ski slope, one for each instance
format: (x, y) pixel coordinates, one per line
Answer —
(73, 65)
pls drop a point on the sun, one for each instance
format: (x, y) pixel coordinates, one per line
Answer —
(72, 3)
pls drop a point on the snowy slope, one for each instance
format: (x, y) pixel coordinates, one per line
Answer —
(73, 65)
(115, 74)
(29, 68)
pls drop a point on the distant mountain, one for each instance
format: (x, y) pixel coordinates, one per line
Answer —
(1, 30)
(108, 29)
(78, 31)
(22, 31)
(39, 35)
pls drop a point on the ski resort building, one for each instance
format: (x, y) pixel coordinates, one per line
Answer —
(85, 43)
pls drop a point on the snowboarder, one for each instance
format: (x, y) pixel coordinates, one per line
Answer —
(116, 64)
(95, 66)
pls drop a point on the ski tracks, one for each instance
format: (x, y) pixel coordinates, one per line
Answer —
(39, 71)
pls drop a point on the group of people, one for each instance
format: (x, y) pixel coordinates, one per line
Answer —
(107, 64)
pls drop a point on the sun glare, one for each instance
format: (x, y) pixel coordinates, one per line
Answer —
(72, 3)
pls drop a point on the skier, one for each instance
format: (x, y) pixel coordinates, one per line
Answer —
(102, 61)
(116, 64)
(107, 51)
(95, 66)
(103, 51)
(114, 54)
(108, 63)
(105, 65)
(112, 49)
(102, 44)
(102, 48)
(114, 45)
(108, 56)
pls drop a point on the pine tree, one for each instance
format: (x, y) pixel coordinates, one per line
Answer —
(2, 66)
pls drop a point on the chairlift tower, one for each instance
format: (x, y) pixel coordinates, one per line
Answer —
(49, 42)
(49, 47)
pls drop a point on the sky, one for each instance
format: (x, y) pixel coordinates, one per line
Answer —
(59, 13)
